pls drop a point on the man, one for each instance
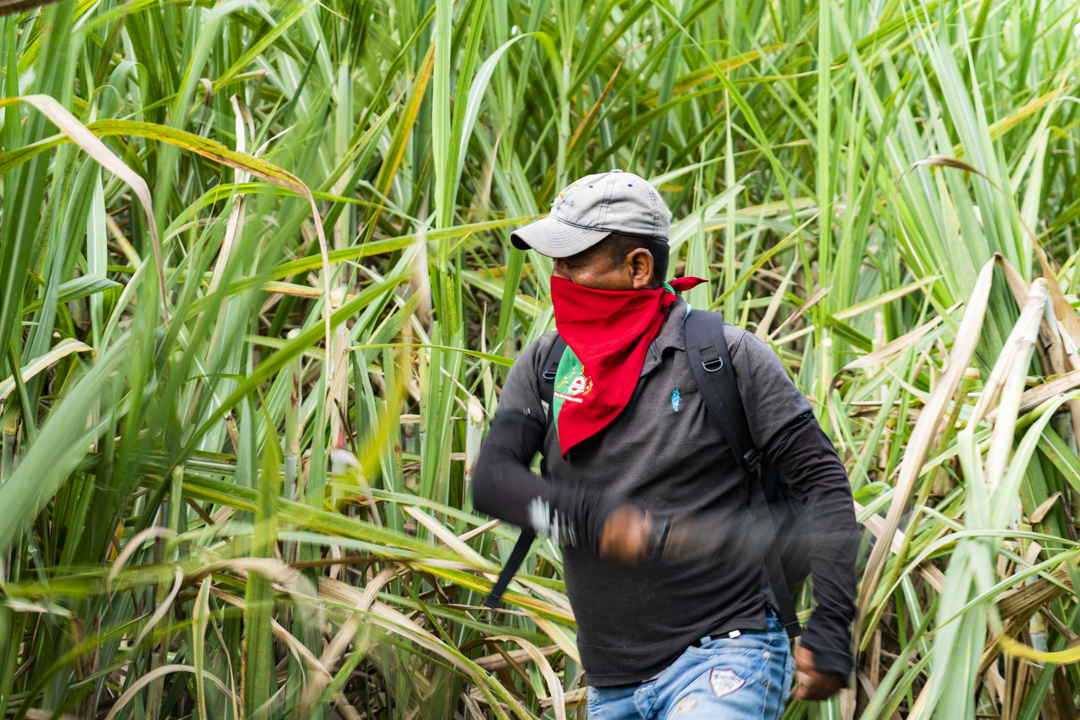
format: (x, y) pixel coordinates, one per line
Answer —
(627, 439)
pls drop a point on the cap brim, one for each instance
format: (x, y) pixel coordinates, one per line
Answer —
(555, 238)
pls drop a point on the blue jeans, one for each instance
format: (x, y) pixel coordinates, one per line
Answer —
(742, 678)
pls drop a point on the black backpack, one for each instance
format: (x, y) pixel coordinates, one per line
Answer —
(780, 514)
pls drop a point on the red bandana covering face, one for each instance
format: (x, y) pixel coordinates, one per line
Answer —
(608, 333)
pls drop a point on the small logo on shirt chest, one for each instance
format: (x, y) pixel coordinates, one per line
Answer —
(675, 400)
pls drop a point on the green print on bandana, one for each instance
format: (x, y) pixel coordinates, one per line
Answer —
(571, 385)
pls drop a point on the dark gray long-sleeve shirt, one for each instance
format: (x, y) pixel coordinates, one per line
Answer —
(673, 461)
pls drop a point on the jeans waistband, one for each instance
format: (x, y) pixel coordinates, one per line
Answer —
(772, 620)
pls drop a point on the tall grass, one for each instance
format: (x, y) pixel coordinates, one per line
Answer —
(257, 299)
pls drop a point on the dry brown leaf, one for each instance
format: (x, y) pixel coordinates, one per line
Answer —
(894, 347)
(554, 684)
(1020, 605)
(923, 435)
(1039, 394)
(810, 302)
(61, 350)
(10, 7)
(154, 674)
(498, 662)
(1062, 309)
(876, 525)
(1044, 508)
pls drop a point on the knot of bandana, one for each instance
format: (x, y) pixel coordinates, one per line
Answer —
(608, 334)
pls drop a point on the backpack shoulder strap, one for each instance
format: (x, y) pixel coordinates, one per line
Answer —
(546, 385)
(517, 556)
(546, 380)
(710, 362)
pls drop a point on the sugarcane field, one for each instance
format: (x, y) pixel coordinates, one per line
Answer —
(540, 359)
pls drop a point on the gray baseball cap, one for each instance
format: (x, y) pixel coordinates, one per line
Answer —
(592, 208)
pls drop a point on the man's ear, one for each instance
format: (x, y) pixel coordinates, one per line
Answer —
(640, 264)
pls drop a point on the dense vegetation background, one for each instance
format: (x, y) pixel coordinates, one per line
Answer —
(257, 299)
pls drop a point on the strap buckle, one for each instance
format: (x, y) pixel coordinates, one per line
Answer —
(550, 374)
(753, 459)
(712, 366)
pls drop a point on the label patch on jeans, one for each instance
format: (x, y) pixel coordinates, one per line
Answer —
(724, 682)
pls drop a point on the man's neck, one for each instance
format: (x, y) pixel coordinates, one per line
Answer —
(667, 319)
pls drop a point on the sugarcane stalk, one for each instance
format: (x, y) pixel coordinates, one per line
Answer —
(7, 463)
(7, 466)
(1016, 357)
(292, 433)
(336, 407)
(474, 424)
(292, 422)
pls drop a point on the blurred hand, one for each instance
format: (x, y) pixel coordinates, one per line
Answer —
(695, 539)
(813, 685)
(626, 536)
